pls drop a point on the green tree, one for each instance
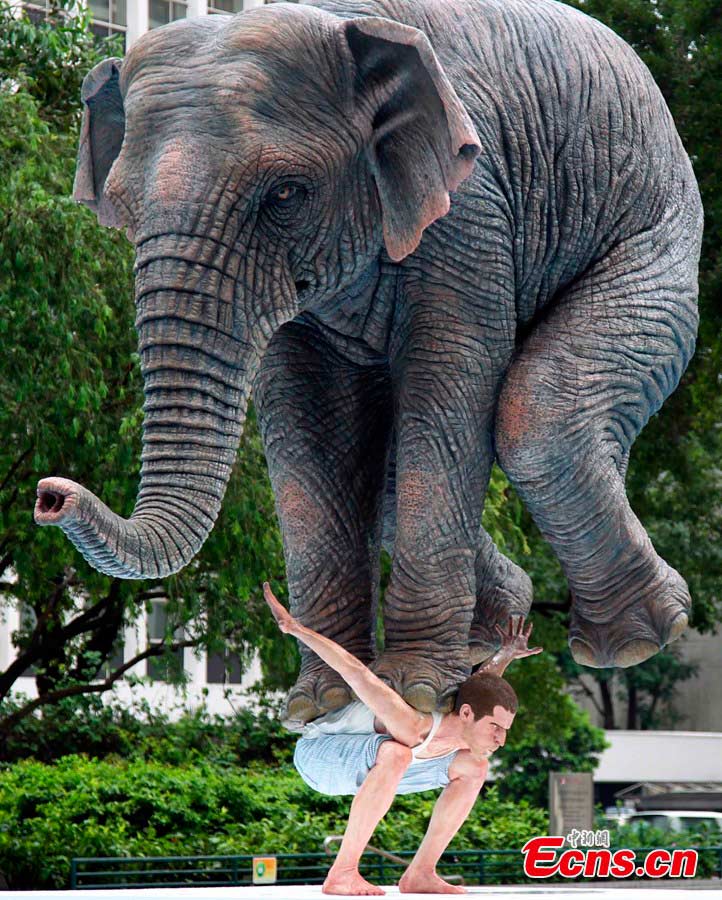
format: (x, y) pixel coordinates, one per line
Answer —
(550, 733)
(88, 807)
(647, 691)
(674, 481)
(50, 58)
(71, 392)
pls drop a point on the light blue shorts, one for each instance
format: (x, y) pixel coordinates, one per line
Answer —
(338, 764)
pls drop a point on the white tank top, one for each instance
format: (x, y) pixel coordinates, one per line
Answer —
(436, 717)
(357, 718)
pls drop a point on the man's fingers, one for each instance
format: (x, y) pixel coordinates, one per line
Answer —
(271, 598)
(277, 608)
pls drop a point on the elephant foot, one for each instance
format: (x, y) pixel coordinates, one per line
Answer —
(426, 681)
(317, 691)
(636, 633)
(495, 606)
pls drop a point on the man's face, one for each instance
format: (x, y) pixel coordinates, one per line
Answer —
(487, 734)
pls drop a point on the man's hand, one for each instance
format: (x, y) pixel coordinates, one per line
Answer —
(286, 622)
(515, 640)
(514, 645)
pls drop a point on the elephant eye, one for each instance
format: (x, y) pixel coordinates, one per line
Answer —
(284, 193)
(286, 196)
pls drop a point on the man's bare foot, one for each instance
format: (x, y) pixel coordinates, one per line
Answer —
(420, 882)
(349, 883)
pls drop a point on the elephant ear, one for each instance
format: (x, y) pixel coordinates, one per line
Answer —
(101, 137)
(423, 143)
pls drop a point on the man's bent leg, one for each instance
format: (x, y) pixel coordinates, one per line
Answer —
(369, 806)
(450, 812)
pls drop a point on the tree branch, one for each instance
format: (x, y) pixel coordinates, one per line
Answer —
(591, 695)
(7, 724)
(607, 704)
(40, 647)
(7, 587)
(548, 606)
(68, 580)
(15, 466)
(5, 561)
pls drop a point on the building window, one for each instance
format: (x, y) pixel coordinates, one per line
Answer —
(161, 668)
(161, 12)
(116, 658)
(109, 17)
(223, 668)
(225, 7)
(39, 10)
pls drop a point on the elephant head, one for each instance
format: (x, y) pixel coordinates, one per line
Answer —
(258, 163)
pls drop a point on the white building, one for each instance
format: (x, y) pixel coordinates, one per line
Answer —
(209, 677)
(132, 18)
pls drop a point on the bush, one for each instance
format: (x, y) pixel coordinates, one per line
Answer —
(642, 834)
(86, 725)
(84, 807)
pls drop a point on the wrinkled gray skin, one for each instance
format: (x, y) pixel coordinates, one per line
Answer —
(284, 175)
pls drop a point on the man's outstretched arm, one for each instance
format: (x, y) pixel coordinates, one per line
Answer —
(403, 722)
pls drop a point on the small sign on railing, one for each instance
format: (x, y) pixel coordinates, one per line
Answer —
(264, 870)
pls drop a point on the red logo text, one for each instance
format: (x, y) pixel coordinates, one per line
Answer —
(542, 861)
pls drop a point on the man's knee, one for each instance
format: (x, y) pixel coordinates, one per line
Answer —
(394, 756)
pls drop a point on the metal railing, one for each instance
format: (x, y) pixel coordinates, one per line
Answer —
(469, 866)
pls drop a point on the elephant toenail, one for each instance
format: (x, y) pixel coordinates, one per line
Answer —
(677, 627)
(635, 652)
(583, 654)
(335, 698)
(421, 697)
(301, 709)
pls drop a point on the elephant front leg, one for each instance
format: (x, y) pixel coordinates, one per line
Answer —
(503, 589)
(325, 424)
(446, 386)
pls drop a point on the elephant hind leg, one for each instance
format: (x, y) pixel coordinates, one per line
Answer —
(581, 388)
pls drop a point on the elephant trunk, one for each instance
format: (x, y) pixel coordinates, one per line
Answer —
(197, 372)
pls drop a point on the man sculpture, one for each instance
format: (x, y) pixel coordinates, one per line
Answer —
(379, 746)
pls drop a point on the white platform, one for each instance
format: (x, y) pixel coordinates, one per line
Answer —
(621, 891)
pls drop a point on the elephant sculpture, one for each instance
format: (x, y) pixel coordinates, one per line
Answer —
(428, 235)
